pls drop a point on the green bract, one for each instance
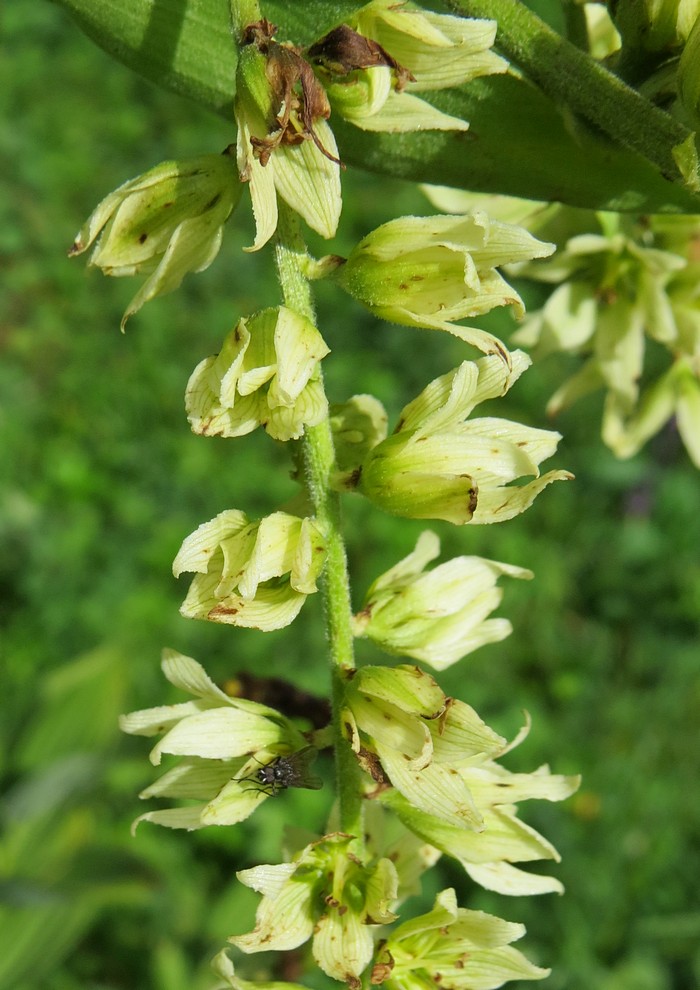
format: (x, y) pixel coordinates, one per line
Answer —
(165, 223)
(223, 741)
(436, 616)
(325, 892)
(439, 465)
(432, 271)
(253, 574)
(455, 948)
(266, 374)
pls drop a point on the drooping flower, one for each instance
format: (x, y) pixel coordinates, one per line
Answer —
(327, 894)
(454, 948)
(488, 855)
(266, 374)
(408, 733)
(433, 271)
(436, 616)
(252, 574)
(623, 282)
(440, 465)
(373, 65)
(165, 223)
(223, 742)
(284, 146)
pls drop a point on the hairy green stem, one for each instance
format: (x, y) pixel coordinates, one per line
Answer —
(573, 79)
(318, 456)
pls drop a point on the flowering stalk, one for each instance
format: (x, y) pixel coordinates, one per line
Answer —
(572, 77)
(318, 457)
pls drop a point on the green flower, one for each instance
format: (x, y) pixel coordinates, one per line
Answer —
(252, 574)
(327, 894)
(373, 67)
(488, 855)
(284, 143)
(432, 271)
(440, 465)
(626, 282)
(408, 733)
(436, 616)
(453, 948)
(165, 223)
(223, 743)
(267, 373)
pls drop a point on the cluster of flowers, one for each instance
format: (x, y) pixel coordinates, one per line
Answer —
(627, 290)
(431, 763)
(430, 760)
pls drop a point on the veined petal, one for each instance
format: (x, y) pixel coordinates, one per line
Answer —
(219, 734)
(402, 112)
(499, 504)
(309, 182)
(434, 789)
(343, 944)
(503, 878)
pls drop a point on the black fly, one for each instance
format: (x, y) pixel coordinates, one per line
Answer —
(287, 771)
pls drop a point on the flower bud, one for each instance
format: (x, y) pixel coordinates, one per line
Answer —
(432, 271)
(251, 574)
(438, 465)
(435, 616)
(165, 223)
(222, 742)
(267, 373)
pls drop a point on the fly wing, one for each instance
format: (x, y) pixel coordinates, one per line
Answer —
(300, 775)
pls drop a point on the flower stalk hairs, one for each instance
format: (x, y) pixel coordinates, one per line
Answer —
(418, 773)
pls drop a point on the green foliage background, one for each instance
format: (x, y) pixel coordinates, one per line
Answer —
(100, 482)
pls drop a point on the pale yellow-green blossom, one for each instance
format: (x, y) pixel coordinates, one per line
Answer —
(488, 854)
(372, 75)
(165, 223)
(454, 948)
(438, 464)
(325, 894)
(433, 271)
(436, 616)
(253, 574)
(221, 743)
(266, 374)
(284, 146)
(407, 732)
(624, 283)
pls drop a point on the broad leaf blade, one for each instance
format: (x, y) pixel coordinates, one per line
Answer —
(518, 142)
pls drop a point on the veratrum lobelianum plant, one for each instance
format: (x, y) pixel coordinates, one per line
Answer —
(418, 774)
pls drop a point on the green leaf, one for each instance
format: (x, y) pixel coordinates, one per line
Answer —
(519, 143)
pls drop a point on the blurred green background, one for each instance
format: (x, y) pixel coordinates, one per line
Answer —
(100, 482)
